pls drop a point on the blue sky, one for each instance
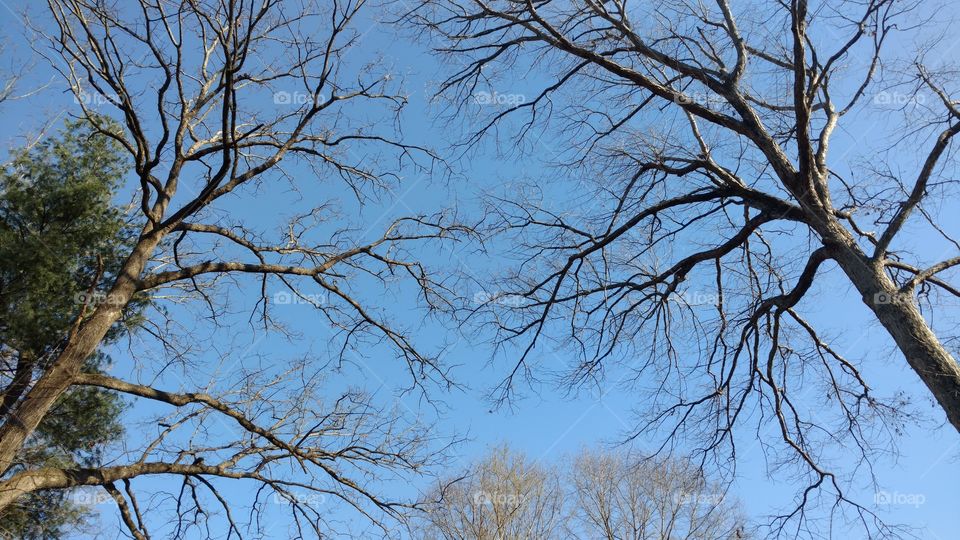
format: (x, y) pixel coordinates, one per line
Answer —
(546, 423)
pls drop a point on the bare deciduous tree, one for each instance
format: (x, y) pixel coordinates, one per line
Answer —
(611, 495)
(713, 208)
(215, 99)
(504, 496)
(619, 495)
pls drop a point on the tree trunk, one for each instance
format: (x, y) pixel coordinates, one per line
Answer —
(901, 317)
(26, 363)
(25, 418)
(28, 414)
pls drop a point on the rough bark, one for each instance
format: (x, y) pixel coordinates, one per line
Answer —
(898, 313)
(50, 478)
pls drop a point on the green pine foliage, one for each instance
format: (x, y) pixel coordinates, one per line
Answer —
(59, 231)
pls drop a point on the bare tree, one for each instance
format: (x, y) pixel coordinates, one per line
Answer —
(505, 496)
(711, 208)
(619, 495)
(212, 100)
(598, 494)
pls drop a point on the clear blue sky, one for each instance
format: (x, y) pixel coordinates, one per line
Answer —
(546, 424)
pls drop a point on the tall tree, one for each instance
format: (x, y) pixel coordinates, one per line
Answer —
(713, 209)
(505, 495)
(213, 100)
(59, 233)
